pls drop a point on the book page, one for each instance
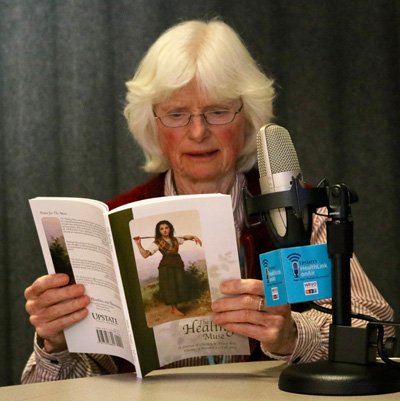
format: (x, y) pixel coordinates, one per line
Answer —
(162, 334)
(74, 240)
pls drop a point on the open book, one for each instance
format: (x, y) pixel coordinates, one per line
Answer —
(131, 314)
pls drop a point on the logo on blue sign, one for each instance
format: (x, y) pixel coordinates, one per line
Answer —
(294, 259)
(265, 266)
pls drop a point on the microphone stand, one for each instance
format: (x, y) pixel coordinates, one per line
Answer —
(351, 368)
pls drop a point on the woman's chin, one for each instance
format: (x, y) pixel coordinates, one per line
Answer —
(203, 175)
(202, 171)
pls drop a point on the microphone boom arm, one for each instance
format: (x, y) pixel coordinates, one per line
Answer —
(351, 368)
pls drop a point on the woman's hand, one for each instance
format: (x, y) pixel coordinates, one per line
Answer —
(137, 240)
(53, 306)
(197, 240)
(144, 252)
(274, 327)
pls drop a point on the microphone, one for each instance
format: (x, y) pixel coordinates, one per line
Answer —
(278, 166)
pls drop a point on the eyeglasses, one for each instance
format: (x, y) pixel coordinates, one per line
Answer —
(212, 117)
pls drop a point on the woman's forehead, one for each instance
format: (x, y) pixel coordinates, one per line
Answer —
(190, 95)
(193, 102)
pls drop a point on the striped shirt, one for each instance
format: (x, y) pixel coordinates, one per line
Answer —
(312, 325)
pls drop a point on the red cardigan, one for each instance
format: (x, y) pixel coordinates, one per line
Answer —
(254, 240)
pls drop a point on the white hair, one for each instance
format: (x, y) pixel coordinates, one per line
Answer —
(212, 55)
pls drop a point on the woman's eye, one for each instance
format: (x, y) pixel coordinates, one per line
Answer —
(218, 112)
(176, 115)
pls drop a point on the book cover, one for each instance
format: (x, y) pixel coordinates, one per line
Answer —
(162, 337)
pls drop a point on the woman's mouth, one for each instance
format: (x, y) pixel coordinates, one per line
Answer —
(202, 155)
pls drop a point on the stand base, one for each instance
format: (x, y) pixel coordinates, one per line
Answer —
(334, 378)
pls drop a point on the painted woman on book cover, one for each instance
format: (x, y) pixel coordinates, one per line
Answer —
(172, 279)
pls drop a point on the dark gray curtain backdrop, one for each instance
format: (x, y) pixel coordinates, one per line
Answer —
(63, 68)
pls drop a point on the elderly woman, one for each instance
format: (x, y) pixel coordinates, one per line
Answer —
(194, 106)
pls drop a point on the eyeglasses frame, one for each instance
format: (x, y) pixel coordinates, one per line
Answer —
(156, 117)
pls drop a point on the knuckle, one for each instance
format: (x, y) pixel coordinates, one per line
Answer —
(29, 307)
(35, 288)
(247, 300)
(59, 311)
(254, 286)
(68, 310)
(34, 320)
(47, 297)
(45, 283)
(39, 284)
(245, 315)
(72, 318)
(27, 292)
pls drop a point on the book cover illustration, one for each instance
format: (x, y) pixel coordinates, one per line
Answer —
(161, 336)
(171, 266)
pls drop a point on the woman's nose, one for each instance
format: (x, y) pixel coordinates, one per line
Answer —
(198, 128)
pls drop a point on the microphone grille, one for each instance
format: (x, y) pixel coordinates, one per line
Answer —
(281, 151)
